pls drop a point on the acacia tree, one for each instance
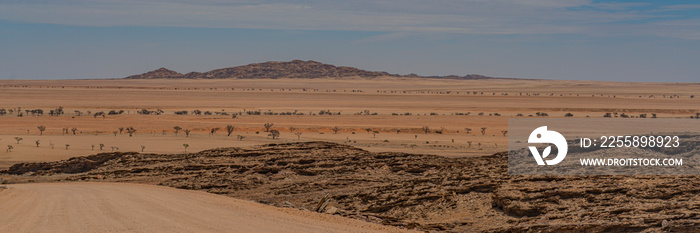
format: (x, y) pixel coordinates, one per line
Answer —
(291, 129)
(268, 126)
(143, 148)
(274, 133)
(177, 130)
(18, 139)
(483, 131)
(426, 129)
(229, 129)
(121, 129)
(73, 130)
(187, 133)
(9, 148)
(41, 129)
(37, 143)
(298, 135)
(368, 130)
(469, 130)
(335, 130)
(213, 130)
(130, 130)
(186, 146)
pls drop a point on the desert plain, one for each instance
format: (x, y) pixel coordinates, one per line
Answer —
(443, 119)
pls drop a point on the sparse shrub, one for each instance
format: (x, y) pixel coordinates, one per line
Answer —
(41, 129)
(274, 133)
(568, 115)
(229, 129)
(268, 126)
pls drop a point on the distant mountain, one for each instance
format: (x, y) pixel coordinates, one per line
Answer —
(290, 69)
(159, 73)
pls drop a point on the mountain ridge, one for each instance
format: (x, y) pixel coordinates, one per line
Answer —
(298, 69)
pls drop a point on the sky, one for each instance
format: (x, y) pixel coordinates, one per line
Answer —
(641, 41)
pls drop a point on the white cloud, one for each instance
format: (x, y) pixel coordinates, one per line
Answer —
(449, 16)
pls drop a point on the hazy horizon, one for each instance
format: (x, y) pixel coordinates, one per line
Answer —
(635, 41)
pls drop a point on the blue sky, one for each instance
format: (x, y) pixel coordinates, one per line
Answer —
(549, 39)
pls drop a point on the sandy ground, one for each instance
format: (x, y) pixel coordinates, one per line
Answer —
(437, 104)
(119, 207)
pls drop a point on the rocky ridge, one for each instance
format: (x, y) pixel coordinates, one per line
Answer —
(291, 69)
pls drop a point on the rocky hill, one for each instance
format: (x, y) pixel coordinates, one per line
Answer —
(269, 70)
(156, 74)
(290, 69)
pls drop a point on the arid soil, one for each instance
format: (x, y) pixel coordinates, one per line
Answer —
(422, 192)
(121, 207)
(396, 108)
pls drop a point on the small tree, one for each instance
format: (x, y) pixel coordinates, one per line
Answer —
(483, 131)
(102, 146)
(291, 129)
(504, 132)
(9, 148)
(92, 147)
(229, 129)
(298, 135)
(374, 133)
(268, 126)
(177, 130)
(335, 130)
(143, 148)
(213, 130)
(121, 129)
(115, 133)
(426, 129)
(469, 130)
(186, 146)
(369, 130)
(18, 139)
(187, 133)
(130, 131)
(274, 134)
(41, 129)
(74, 130)
(37, 143)
(240, 137)
(67, 145)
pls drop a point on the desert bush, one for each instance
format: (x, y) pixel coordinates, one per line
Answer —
(268, 126)
(229, 129)
(274, 133)
(41, 129)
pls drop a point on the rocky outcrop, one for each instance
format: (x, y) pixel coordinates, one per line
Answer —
(269, 70)
(160, 73)
(290, 69)
(424, 192)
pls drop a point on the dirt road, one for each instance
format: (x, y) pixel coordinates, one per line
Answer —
(119, 207)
